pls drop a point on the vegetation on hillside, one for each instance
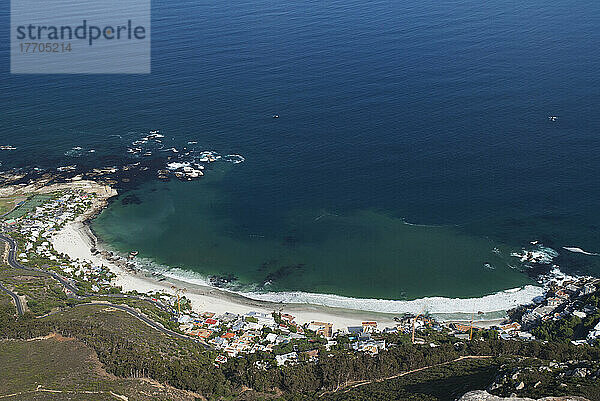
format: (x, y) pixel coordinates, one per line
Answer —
(128, 348)
(71, 371)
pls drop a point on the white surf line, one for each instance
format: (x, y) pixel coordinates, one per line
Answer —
(499, 301)
(575, 249)
(502, 300)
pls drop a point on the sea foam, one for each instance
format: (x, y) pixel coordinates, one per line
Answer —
(579, 250)
(177, 165)
(500, 301)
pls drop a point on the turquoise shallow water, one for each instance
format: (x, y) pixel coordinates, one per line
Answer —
(431, 112)
(362, 253)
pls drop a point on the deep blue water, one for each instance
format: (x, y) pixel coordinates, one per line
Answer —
(431, 111)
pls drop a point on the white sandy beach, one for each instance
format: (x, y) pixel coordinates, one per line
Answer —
(76, 241)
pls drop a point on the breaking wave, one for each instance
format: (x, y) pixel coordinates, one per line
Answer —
(235, 159)
(539, 254)
(497, 302)
(76, 151)
(579, 250)
(177, 165)
(500, 301)
(492, 306)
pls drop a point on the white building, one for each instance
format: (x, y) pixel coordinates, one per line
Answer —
(283, 359)
(594, 333)
(587, 289)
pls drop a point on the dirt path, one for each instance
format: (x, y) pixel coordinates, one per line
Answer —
(353, 385)
(46, 390)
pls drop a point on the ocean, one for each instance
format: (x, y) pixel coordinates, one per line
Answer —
(413, 155)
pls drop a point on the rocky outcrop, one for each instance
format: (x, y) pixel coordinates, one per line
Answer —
(42, 187)
(481, 395)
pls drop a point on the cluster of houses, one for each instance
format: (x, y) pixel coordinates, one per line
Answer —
(253, 332)
(42, 221)
(562, 300)
(594, 334)
(35, 228)
(240, 334)
(513, 331)
(365, 342)
(279, 334)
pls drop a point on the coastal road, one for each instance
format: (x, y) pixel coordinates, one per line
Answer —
(14, 263)
(147, 320)
(15, 298)
(159, 305)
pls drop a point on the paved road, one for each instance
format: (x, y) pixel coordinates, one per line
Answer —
(159, 305)
(146, 320)
(13, 262)
(15, 298)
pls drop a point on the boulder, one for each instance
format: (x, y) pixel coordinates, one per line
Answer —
(480, 395)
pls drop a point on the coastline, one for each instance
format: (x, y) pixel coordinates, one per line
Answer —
(77, 240)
